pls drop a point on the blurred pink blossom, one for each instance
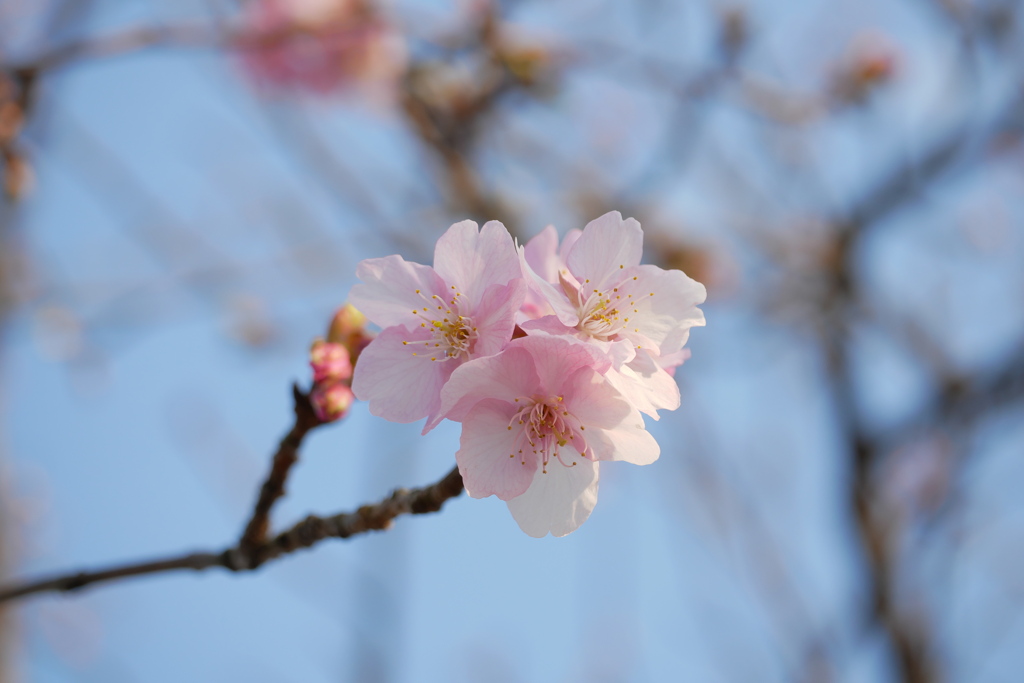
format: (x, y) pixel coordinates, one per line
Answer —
(320, 45)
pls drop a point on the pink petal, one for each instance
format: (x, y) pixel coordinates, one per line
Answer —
(557, 502)
(541, 253)
(608, 245)
(495, 317)
(593, 401)
(473, 261)
(557, 357)
(613, 353)
(506, 376)
(550, 293)
(389, 294)
(549, 324)
(399, 386)
(485, 449)
(568, 242)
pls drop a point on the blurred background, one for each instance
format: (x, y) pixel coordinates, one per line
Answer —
(189, 184)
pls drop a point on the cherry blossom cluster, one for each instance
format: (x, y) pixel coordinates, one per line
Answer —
(548, 354)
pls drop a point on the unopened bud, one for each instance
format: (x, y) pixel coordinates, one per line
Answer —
(330, 361)
(348, 321)
(331, 400)
(348, 328)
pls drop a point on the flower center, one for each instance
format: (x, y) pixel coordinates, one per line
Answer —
(602, 314)
(454, 337)
(600, 317)
(547, 427)
(452, 334)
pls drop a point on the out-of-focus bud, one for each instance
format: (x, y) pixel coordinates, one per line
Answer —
(348, 328)
(331, 400)
(527, 64)
(330, 361)
(871, 62)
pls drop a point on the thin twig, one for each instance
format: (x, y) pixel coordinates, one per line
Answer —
(274, 487)
(305, 534)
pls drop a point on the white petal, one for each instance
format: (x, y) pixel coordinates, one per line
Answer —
(663, 307)
(647, 386)
(557, 502)
(629, 442)
(488, 457)
(671, 361)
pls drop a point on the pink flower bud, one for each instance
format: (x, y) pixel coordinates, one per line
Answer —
(330, 362)
(331, 400)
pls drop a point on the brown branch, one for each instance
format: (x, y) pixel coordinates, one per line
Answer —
(70, 582)
(121, 43)
(273, 488)
(305, 534)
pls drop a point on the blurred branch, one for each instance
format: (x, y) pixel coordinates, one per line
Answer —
(305, 534)
(119, 43)
(449, 125)
(908, 179)
(909, 636)
(961, 401)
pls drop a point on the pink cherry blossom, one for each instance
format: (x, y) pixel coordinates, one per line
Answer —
(320, 45)
(435, 319)
(597, 291)
(536, 421)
